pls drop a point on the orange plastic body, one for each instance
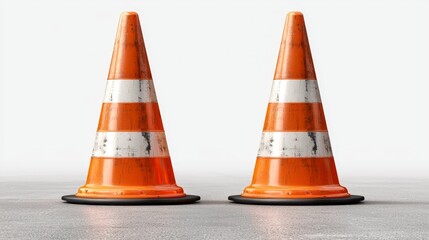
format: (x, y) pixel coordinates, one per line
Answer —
(130, 178)
(137, 177)
(295, 177)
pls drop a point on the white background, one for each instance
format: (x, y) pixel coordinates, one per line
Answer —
(213, 63)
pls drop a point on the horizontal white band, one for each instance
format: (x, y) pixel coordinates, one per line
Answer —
(290, 91)
(130, 91)
(295, 144)
(130, 144)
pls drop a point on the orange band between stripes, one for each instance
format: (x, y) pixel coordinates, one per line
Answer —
(130, 117)
(295, 117)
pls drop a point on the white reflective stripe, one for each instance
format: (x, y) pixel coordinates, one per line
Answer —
(130, 144)
(284, 91)
(131, 91)
(295, 144)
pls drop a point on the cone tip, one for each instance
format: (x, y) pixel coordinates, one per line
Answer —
(291, 14)
(129, 14)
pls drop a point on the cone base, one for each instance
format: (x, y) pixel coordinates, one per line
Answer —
(352, 199)
(131, 201)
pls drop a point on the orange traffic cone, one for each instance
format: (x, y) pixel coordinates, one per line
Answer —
(295, 164)
(130, 162)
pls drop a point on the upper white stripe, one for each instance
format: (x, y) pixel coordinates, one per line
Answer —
(284, 91)
(132, 91)
(130, 144)
(295, 144)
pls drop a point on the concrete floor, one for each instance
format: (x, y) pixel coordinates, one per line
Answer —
(394, 209)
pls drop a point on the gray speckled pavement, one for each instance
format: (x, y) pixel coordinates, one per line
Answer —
(393, 209)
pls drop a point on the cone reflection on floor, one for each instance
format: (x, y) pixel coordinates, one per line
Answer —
(130, 162)
(295, 164)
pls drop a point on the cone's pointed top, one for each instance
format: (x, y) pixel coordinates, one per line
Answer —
(295, 14)
(129, 14)
(294, 60)
(129, 58)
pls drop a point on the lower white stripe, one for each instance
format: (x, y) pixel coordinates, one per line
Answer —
(295, 144)
(121, 91)
(130, 144)
(284, 91)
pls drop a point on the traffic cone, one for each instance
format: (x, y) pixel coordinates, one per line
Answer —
(295, 164)
(130, 162)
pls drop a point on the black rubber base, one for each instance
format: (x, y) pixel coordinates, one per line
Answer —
(297, 201)
(131, 201)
